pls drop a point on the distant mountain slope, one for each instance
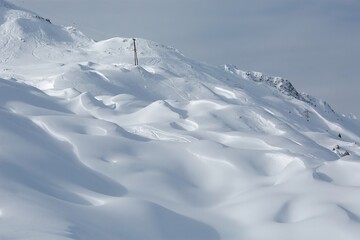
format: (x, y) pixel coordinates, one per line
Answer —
(93, 147)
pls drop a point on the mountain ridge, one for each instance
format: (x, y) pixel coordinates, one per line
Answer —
(279, 83)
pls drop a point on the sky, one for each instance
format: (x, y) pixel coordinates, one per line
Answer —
(313, 43)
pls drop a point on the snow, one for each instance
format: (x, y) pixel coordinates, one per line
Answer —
(93, 147)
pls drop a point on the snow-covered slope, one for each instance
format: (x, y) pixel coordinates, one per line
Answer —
(93, 147)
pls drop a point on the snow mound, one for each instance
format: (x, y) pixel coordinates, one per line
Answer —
(93, 147)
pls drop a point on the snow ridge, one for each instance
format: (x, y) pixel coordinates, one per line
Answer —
(283, 85)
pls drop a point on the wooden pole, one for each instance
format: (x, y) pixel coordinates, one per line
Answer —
(135, 54)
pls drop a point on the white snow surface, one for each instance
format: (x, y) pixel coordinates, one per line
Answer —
(93, 147)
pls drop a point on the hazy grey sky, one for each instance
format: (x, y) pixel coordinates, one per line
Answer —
(313, 43)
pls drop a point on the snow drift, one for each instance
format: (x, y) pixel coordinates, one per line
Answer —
(93, 147)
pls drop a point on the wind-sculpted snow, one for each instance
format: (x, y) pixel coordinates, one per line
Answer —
(93, 147)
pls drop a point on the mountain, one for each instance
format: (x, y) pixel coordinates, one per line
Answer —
(93, 147)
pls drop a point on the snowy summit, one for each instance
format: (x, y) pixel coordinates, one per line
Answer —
(94, 147)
